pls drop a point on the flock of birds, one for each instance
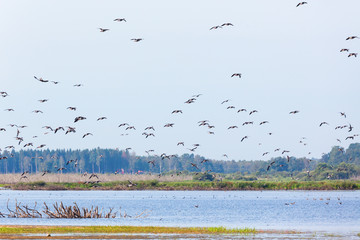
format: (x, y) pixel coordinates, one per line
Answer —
(149, 131)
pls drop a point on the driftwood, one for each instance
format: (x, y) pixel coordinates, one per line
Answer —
(63, 211)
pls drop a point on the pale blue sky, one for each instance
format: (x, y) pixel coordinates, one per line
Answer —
(289, 59)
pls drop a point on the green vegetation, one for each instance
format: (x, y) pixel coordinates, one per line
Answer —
(194, 185)
(121, 229)
(338, 164)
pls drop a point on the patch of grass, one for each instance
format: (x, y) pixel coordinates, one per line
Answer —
(122, 229)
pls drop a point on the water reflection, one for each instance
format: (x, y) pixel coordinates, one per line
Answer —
(331, 211)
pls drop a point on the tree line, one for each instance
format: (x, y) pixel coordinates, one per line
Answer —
(100, 160)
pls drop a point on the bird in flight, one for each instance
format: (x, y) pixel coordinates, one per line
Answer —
(215, 27)
(301, 3)
(323, 124)
(344, 50)
(294, 112)
(72, 108)
(41, 79)
(79, 118)
(87, 134)
(351, 37)
(104, 29)
(101, 118)
(227, 24)
(352, 54)
(343, 114)
(120, 20)
(236, 75)
(136, 39)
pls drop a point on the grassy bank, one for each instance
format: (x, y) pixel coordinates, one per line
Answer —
(191, 185)
(121, 229)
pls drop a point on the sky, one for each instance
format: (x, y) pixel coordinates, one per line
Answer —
(289, 58)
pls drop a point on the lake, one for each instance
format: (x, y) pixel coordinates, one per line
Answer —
(328, 211)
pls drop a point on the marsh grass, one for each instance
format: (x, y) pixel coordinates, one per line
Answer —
(74, 178)
(122, 229)
(147, 182)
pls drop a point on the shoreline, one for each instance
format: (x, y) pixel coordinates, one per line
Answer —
(260, 185)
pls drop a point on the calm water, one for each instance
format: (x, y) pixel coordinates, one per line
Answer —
(258, 209)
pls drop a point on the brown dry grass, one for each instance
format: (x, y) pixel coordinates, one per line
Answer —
(73, 178)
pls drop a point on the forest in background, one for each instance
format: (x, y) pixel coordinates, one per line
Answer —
(339, 163)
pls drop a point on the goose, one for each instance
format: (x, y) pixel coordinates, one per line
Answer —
(343, 114)
(87, 134)
(79, 118)
(263, 122)
(41, 79)
(104, 29)
(71, 108)
(58, 128)
(78, 85)
(227, 24)
(41, 146)
(101, 118)
(253, 111)
(351, 37)
(344, 50)
(241, 110)
(215, 27)
(236, 75)
(136, 39)
(120, 20)
(180, 143)
(123, 124)
(294, 112)
(130, 127)
(169, 125)
(301, 3)
(150, 128)
(352, 54)
(232, 127)
(43, 100)
(194, 165)
(37, 111)
(323, 124)
(9, 110)
(245, 137)
(176, 111)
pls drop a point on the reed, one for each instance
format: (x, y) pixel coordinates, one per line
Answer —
(62, 211)
(122, 229)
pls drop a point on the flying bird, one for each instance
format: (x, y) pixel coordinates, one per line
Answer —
(41, 79)
(351, 37)
(301, 3)
(352, 54)
(294, 112)
(323, 124)
(87, 134)
(104, 29)
(136, 39)
(215, 27)
(79, 118)
(120, 20)
(344, 50)
(101, 118)
(236, 75)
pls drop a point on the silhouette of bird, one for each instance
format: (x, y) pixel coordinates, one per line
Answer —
(241, 110)
(245, 137)
(253, 111)
(152, 162)
(263, 122)
(294, 112)
(104, 29)
(215, 27)
(87, 134)
(344, 50)
(301, 3)
(78, 85)
(43, 100)
(176, 111)
(343, 114)
(37, 111)
(351, 37)
(41, 146)
(150, 128)
(101, 118)
(236, 75)
(169, 125)
(71, 108)
(352, 54)
(120, 20)
(79, 118)
(323, 124)
(180, 143)
(136, 39)
(227, 24)
(41, 79)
